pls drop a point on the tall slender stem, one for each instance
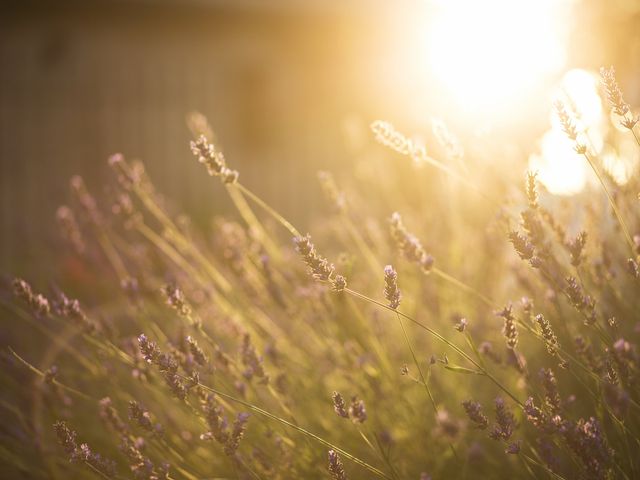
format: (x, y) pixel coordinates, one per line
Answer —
(417, 364)
(445, 276)
(617, 213)
(442, 339)
(265, 413)
(262, 204)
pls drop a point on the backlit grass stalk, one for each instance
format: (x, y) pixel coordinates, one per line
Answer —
(612, 203)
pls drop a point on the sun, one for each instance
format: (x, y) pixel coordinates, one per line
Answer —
(489, 53)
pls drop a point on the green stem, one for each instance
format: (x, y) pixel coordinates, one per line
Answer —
(635, 135)
(617, 213)
(442, 339)
(463, 286)
(54, 381)
(417, 364)
(262, 204)
(319, 439)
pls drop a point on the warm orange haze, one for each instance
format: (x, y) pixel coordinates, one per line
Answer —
(300, 239)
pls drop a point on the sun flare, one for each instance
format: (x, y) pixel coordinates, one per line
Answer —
(489, 53)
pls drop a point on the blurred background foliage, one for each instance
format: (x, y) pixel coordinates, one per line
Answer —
(289, 86)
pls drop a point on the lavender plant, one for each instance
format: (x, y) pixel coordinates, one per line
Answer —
(197, 358)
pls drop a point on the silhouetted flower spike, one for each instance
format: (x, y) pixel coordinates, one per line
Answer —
(522, 245)
(339, 406)
(37, 302)
(552, 397)
(509, 330)
(66, 438)
(143, 418)
(70, 308)
(176, 300)
(336, 469)
(253, 362)
(616, 100)
(566, 120)
(206, 154)
(320, 267)
(215, 162)
(198, 355)
(218, 428)
(580, 148)
(505, 422)
(461, 325)
(339, 283)
(82, 453)
(576, 248)
(534, 414)
(237, 432)
(624, 356)
(588, 442)
(391, 290)
(474, 412)
(148, 348)
(409, 244)
(167, 365)
(550, 338)
(611, 374)
(581, 302)
(386, 134)
(357, 410)
(141, 466)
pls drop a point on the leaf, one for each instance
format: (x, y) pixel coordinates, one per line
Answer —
(467, 371)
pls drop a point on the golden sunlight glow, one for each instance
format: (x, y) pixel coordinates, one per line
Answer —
(623, 164)
(491, 52)
(560, 168)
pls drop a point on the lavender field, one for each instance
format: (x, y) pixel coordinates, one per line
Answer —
(444, 289)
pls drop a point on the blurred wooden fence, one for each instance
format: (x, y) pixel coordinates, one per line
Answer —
(79, 84)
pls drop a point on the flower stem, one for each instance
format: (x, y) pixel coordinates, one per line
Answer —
(617, 213)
